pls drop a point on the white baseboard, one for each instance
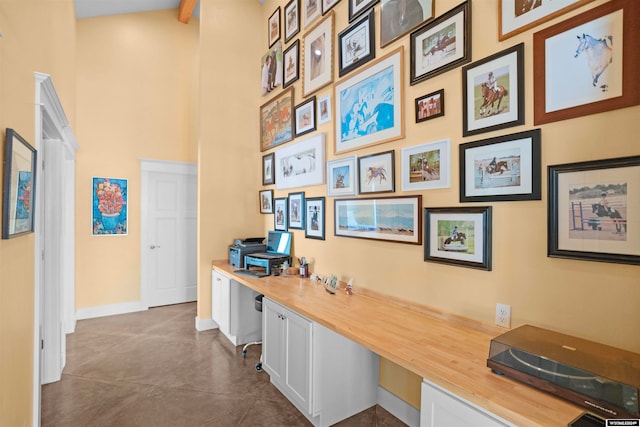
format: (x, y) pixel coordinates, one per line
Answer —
(205, 324)
(398, 407)
(109, 310)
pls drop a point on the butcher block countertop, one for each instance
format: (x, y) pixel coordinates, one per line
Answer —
(448, 350)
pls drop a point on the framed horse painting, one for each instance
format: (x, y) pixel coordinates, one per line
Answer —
(587, 64)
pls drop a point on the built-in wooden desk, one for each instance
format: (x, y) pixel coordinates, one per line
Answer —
(447, 350)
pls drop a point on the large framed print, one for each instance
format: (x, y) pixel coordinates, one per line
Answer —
(109, 203)
(291, 20)
(377, 173)
(504, 168)
(358, 7)
(426, 166)
(291, 64)
(458, 236)
(515, 17)
(594, 210)
(398, 17)
(274, 27)
(587, 64)
(493, 92)
(280, 214)
(395, 219)
(301, 164)
(356, 44)
(342, 177)
(315, 218)
(369, 104)
(19, 186)
(271, 70)
(441, 44)
(317, 54)
(276, 120)
(295, 204)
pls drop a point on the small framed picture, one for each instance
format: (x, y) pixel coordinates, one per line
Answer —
(426, 166)
(306, 116)
(271, 71)
(291, 64)
(397, 18)
(268, 172)
(504, 168)
(376, 172)
(291, 20)
(430, 106)
(274, 27)
(324, 109)
(458, 236)
(110, 206)
(315, 215)
(590, 204)
(317, 48)
(493, 92)
(280, 213)
(296, 210)
(328, 4)
(357, 44)
(342, 177)
(311, 10)
(266, 201)
(358, 7)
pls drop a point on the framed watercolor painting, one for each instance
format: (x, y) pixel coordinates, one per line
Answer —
(19, 186)
(426, 166)
(395, 219)
(356, 44)
(271, 71)
(369, 104)
(268, 171)
(493, 92)
(377, 173)
(590, 206)
(315, 218)
(397, 18)
(109, 213)
(291, 20)
(276, 120)
(295, 203)
(430, 106)
(504, 168)
(317, 53)
(280, 214)
(324, 109)
(458, 236)
(342, 177)
(266, 201)
(274, 27)
(306, 116)
(292, 64)
(301, 164)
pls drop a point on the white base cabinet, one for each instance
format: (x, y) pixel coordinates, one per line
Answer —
(325, 375)
(233, 309)
(441, 408)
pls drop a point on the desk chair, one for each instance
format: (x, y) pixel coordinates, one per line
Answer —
(258, 307)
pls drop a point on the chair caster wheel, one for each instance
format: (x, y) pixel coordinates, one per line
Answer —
(259, 367)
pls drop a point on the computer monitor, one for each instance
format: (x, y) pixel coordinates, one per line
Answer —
(279, 242)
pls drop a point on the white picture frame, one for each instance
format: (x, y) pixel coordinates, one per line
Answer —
(427, 166)
(324, 109)
(342, 176)
(317, 56)
(301, 164)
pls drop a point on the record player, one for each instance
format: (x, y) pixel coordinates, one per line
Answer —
(596, 376)
(242, 247)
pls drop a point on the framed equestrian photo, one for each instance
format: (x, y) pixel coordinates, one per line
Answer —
(315, 218)
(376, 172)
(271, 69)
(317, 53)
(296, 210)
(266, 201)
(357, 44)
(328, 4)
(397, 18)
(458, 236)
(276, 120)
(342, 177)
(358, 7)
(493, 92)
(590, 205)
(292, 64)
(369, 104)
(324, 109)
(395, 219)
(311, 10)
(587, 64)
(268, 171)
(426, 166)
(274, 27)
(301, 164)
(430, 106)
(504, 168)
(306, 116)
(441, 44)
(280, 214)
(291, 20)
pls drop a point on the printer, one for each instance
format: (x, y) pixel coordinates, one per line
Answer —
(242, 247)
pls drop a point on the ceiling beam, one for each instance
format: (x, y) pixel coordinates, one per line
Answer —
(186, 10)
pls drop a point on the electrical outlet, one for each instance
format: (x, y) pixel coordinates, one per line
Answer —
(503, 315)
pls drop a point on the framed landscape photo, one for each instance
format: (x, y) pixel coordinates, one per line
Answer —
(306, 116)
(311, 10)
(587, 64)
(356, 44)
(376, 172)
(266, 201)
(426, 166)
(301, 164)
(504, 168)
(458, 236)
(342, 177)
(271, 71)
(395, 219)
(280, 214)
(296, 210)
(430, 106)
(19, 184)
(369, 104)
(268, 171)
(315, 218)
(398, 17)
(317, 48)
(291, 64)
(291, 20)
(441, 44)
(328, 4)
(324, 109)
(493, 92)
(274, 27)
(276, 120)
(358, 7)
(594, 210)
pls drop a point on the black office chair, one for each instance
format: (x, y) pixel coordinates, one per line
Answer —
(258, 307)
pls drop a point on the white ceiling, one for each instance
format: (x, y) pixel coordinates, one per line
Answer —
(93, 8)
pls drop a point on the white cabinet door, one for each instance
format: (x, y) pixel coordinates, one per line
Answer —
(298, 337)
(220, 285)
(273, 342)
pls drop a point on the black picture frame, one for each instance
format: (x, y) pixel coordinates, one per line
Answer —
(291, 20)
(265, 199)
(430, 106)
(356, 44)
(305, 116)
(280, 214)
(291, 64)
(358, 7)
(268, 169)
(19, 192)
(315, 218)
(460, 246)
(327, 5)
(589, 205)
(273, 27)
(503, 168)
(296, 208)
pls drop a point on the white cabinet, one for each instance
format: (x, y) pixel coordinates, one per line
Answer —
(441, 408)
(325, 375)
(233, 309)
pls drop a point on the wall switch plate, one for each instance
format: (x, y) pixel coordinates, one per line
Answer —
(503, 315)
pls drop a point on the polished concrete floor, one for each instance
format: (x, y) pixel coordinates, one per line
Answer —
(153, 368)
